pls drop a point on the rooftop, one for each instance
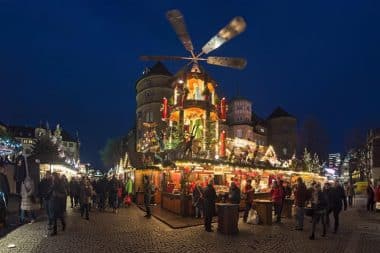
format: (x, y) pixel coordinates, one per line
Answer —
(157, 69)
(280, 113)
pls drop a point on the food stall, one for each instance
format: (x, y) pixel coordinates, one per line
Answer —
(177, 183)
(154, 174)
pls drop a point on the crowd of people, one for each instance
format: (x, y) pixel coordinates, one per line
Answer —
(317, 201)
(83, 193)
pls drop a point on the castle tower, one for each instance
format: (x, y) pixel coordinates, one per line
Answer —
(240, 119)
(282, 133)
(151, 88)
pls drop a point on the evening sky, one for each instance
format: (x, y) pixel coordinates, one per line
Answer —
(75, 62)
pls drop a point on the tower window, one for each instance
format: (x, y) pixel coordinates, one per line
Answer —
(149, 117)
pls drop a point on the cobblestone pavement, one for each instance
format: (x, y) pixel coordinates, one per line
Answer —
(129, 231)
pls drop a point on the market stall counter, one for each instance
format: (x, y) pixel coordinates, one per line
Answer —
(264, 210)
(287, 208)
(177, 203)
(228, 217)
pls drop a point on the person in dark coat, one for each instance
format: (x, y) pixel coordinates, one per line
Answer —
(73, 188)
(350, 192)
(319, 205)
(336, 199)
(198, 200)
(249, 193)
(101, 192)
(112, 193)
(65, 183)
(209, 205)
(147, 196)
(234, 194)
(85, 198)
(278, 199)
(58, 193)
(43, 189)
(4, 194)
(370, 197)
(300, 198)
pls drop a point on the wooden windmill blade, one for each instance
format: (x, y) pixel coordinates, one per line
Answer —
(231, 30)
(163, 58)
(177, 21)
(236, 63)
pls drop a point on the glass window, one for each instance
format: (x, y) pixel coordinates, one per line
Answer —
(149, 117)
(239, 133)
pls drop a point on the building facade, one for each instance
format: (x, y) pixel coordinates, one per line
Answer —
(282, 133)
(151, 88)
(244, 124)
(68, 146)
(373, 145)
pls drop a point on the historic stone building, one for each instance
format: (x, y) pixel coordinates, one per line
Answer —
(27, 136)
(243, 123)
(151, 88)
(240, 119)
(282, 133)
(373, 146)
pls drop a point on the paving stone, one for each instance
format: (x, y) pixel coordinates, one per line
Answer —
(129, 231)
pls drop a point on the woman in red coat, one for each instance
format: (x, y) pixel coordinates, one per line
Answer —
(277, 198)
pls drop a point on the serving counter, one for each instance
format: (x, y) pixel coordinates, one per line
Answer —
(177, 203)
(264, 210)
(228, 217)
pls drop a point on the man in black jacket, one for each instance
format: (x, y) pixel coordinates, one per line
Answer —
(336, 200)
(209, 205)
(4, 193)
(147, 196)
(43, 188)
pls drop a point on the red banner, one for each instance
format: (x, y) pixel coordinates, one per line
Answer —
(164, 108)
(223, 109)
(222, 151)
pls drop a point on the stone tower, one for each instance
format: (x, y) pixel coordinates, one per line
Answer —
(240, 118)
(282, 133)
(151, 88)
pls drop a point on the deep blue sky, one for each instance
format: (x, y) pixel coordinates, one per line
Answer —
(75, 62)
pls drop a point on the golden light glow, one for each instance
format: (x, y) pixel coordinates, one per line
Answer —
(196, 88)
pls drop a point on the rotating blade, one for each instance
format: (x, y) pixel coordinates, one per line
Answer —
(234, 28)
(177, 21)
(236, 63)
(163, 58)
